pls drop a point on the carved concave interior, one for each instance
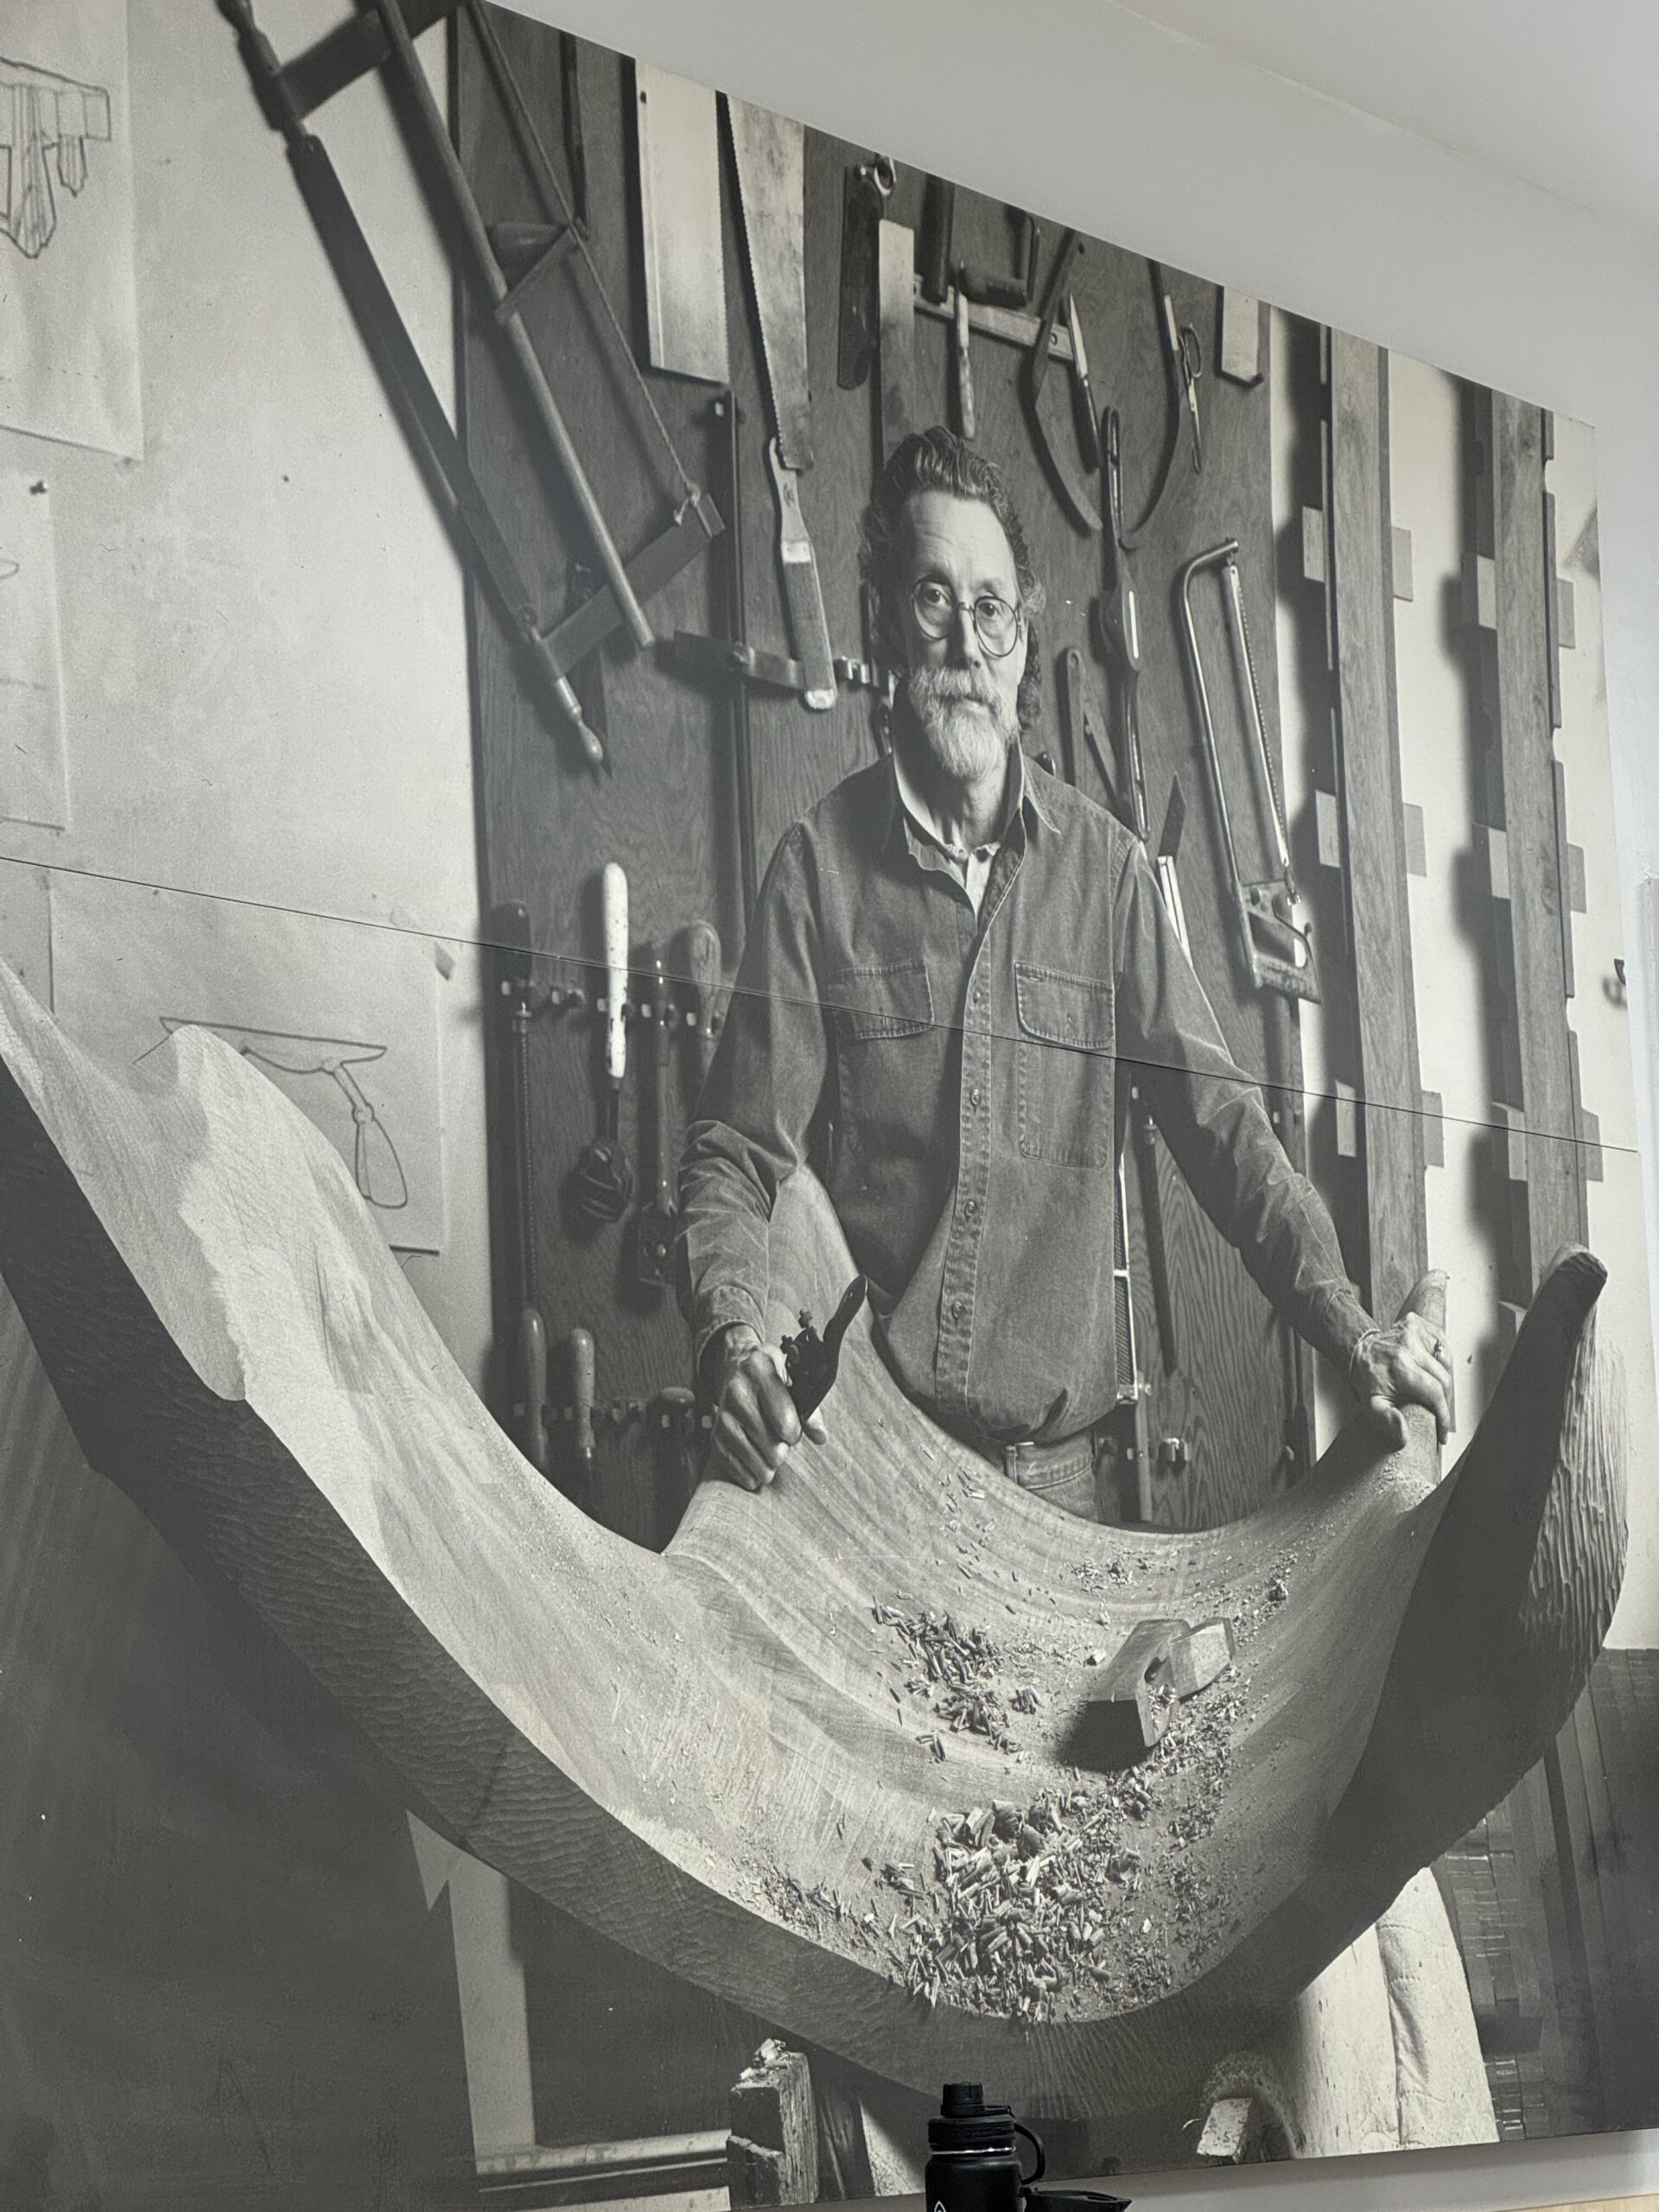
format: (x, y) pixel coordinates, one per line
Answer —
(818, 1755)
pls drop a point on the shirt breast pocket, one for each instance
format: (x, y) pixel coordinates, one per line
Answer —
(1067, 1070)
(883, 1018)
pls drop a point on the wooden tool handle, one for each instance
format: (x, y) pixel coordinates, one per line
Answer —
(532, 1382)
(614, 895)
(705, 966)
(581, 1393)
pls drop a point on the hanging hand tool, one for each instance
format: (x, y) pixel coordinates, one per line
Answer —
(657, 1225)
(770, 155)
(1163, 862)
(578, 1350)
(1183, 343)
(1276, 938)
(1051, 445)
(934, 273)
(705, 971)
(435, 138)
(677, 137)
(575, 142)
(1119, 612)
(515, 998)
(1120, 627)
(810, 1360)
(808, 622)
(1182, 363)
(602, 1185)
(1083, 395)
(532, 1382)
(962, 353)
(865, 193)
(287, 94)
(1084, 726)
(990, 287)
(1144, 1130)
(1134, 1390)
(934, 239)
(895, 254)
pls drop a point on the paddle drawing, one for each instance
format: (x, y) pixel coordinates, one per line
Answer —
(47, 121)
(378, 1171)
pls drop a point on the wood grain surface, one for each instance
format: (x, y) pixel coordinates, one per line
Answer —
(684, 1749)
(546, 825)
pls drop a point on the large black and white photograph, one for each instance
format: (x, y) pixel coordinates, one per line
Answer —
(822, 1246)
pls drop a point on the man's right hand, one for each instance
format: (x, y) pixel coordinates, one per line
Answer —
(756, 1425)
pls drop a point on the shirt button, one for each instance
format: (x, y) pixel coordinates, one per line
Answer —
(975, 1095)
(957, 1309)
(970, 1207)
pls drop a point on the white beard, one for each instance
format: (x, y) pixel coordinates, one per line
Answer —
(966, 727)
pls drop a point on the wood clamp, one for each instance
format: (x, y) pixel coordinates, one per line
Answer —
(384, 35)
(1274, 936)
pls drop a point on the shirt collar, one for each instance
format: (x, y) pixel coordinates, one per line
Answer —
(1027, 798)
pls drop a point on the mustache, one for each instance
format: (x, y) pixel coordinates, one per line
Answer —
(941, 687)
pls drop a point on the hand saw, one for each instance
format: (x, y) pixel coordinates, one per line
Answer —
(770, 154)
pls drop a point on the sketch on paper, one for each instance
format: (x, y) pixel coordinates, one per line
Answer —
(34, 770)
(342, 1019)
(46, 121)
(69, 359)
(376, 1168)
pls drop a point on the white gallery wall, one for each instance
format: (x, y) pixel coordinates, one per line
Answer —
(1084, 111)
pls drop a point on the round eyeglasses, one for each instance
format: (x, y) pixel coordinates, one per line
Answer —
(997, 625)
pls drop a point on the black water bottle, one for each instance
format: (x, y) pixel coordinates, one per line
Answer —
(972, 2165)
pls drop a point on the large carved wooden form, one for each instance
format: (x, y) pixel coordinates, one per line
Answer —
(674, 1747)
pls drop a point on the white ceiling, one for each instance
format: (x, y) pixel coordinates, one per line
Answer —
(1564, 96)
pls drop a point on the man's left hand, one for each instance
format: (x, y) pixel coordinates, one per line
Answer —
(1406, 1365)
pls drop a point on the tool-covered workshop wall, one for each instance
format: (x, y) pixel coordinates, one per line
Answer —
(748, 314)
(919, 304)
(1309, 1812)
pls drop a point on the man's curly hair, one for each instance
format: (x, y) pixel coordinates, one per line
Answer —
(939, 460)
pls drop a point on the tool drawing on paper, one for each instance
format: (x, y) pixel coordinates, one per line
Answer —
(375, 1165)
(42, 114)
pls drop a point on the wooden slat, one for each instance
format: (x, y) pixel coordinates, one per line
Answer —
(1389, 1081)
(1547, 1207)
(1526, 790)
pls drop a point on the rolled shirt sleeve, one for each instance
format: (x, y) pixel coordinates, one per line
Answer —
(757, 1106)
(1213, 1119)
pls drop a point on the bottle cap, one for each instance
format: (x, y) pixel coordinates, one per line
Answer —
(966, 2122)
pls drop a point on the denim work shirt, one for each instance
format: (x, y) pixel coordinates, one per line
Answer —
(954, 1078)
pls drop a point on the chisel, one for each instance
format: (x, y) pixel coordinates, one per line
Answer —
(770, 154)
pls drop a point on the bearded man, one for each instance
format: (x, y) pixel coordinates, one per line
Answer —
(949, 957)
